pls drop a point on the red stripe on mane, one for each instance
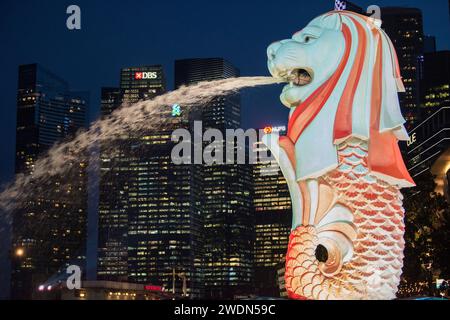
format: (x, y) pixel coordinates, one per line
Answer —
(308, 110)
(384, 153)
(343, 121)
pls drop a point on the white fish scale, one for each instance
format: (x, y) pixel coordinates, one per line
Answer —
(375, 268)
(372, 250)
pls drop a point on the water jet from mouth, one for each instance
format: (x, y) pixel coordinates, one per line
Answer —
(139, 117)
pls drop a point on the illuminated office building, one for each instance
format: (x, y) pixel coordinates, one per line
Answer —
(111, 99)
(112, 260)
(141, 83)
(429, 145)
(273, 216)
(281, 279)
(149, 220)
(226, 205)
(49, 228)
(405, 28)
(435, 89)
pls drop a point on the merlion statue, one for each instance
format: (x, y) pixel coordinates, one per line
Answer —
(341, 158)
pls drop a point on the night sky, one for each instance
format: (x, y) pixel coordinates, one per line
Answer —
(117, 34)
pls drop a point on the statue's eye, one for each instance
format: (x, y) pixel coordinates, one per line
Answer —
(308, 38)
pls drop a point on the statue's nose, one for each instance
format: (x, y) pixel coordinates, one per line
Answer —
(272, 50)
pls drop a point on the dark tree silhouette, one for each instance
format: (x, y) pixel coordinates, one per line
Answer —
(427, 240)
(427, 233)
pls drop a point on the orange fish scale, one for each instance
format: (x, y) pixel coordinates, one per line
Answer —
(378, 248)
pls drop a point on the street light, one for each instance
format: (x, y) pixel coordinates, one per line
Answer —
(19, 252)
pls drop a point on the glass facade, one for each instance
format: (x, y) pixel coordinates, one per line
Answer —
(273, 214)
(149, 208)
(428, 148)
(47, 112)
(405, 28)
(226, 204)
(435, 81)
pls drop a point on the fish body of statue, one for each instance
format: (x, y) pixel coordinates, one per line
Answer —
(341, 158)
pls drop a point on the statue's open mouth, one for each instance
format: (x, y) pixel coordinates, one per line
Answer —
(298, 77)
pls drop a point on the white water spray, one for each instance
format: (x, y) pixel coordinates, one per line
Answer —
(128, 119)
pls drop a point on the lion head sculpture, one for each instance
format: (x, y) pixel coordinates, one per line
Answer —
(341, 158)
(343, 77)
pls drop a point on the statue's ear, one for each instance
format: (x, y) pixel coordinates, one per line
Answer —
(331, 21)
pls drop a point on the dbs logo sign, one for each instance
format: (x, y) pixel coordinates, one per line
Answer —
(145, 75)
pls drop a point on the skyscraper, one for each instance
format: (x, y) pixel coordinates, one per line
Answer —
(429, 145)
(118, 178)
(226, 191)
(405, 28)
(273, 216)
(435, 92)
(150, 229)
(112, 259)
(111, 99)
(49, 228)
(142, 83)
